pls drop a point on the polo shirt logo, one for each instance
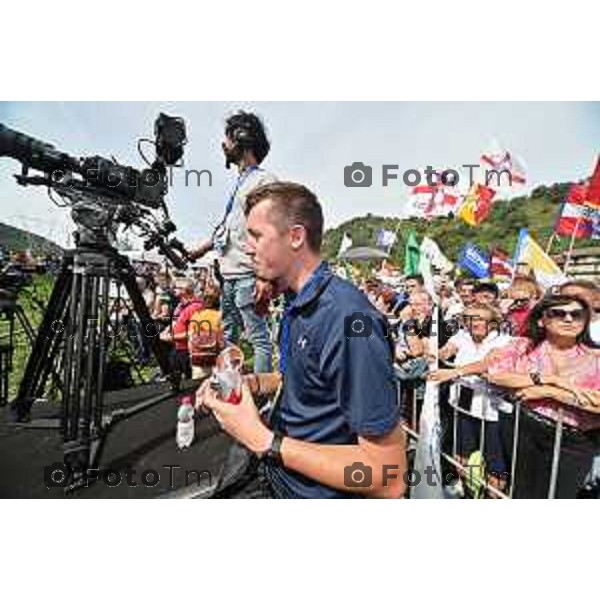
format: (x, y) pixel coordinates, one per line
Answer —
(302, 341)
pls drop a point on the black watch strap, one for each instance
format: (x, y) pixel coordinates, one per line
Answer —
(274, 453)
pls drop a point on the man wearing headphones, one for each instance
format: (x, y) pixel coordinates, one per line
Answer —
(243, 299)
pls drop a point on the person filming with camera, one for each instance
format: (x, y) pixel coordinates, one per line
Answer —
(334, 430)
(244, 299)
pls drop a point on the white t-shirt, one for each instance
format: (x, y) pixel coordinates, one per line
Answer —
(486, 399)
(234, 261)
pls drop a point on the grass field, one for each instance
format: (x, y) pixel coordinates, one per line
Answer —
(34, 299)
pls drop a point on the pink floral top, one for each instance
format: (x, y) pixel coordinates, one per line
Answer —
(582, 368)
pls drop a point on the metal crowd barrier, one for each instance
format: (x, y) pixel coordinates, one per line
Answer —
(411, 428)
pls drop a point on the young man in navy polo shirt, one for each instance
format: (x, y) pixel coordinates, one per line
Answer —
(335, 429)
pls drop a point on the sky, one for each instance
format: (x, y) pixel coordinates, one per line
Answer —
(312, 142)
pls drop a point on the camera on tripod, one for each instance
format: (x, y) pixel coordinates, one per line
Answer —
(103, 195)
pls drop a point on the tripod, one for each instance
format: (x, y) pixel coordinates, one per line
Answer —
(74, 338)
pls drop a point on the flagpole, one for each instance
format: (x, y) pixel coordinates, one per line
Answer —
(395, 236)
(550, 242)
(571, 244)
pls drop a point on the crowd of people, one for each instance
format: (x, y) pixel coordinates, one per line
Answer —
(497, 347)
(346, 354)
(516, 367)
(489, 347)
(513, 364)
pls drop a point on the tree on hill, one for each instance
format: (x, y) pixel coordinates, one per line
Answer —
(537, 212)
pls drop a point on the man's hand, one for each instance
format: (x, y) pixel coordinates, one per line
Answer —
(442, 375)
(201, 250)
(241, 421)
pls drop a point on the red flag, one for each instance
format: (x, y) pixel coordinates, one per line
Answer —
(576, 218)
(436, 200)
(503, 160)
(500, 264)
(593, 190)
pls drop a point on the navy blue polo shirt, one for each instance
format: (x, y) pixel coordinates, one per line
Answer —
(336, 386)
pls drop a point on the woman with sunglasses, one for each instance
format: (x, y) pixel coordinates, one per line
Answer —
(554, 368)
(477, 401)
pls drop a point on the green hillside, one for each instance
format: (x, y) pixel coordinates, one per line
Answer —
(537, 212)
(13, 238)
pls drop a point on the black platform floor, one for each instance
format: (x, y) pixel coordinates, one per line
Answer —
(142, 443)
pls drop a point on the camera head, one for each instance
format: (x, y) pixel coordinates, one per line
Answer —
(102, 193)
(98, 177)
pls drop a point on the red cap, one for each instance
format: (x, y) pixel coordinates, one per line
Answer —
(187, 400)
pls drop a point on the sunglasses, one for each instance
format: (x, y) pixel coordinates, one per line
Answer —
(520, 301)
(560, 313)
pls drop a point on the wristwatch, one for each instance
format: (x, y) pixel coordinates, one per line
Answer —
(274, 452)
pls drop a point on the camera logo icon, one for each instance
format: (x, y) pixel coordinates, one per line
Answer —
(56, 475)
(358, 325)
(358, 475)
(358, 175)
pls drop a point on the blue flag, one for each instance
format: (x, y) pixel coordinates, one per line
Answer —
(474, 260)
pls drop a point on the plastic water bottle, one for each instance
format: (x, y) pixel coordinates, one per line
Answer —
(185, 423)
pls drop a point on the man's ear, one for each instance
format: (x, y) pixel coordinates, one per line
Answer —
(297, 236)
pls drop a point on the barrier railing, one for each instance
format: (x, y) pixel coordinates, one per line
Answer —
(411, 427)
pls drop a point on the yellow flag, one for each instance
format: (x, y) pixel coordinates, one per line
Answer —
(547, 272)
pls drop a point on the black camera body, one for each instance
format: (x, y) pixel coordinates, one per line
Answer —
(106, 178)
(170, 138)
(104, 194)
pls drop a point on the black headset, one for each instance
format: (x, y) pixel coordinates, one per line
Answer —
(243, 137)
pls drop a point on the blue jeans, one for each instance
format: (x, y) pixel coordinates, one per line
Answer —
(237, 305)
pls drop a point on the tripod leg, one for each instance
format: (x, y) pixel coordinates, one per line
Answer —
(25, 323)
(148, 326)
(49, 363)
(11, 337)
(5, 353)
(103, 322)
(46, 343)
(89, 396)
